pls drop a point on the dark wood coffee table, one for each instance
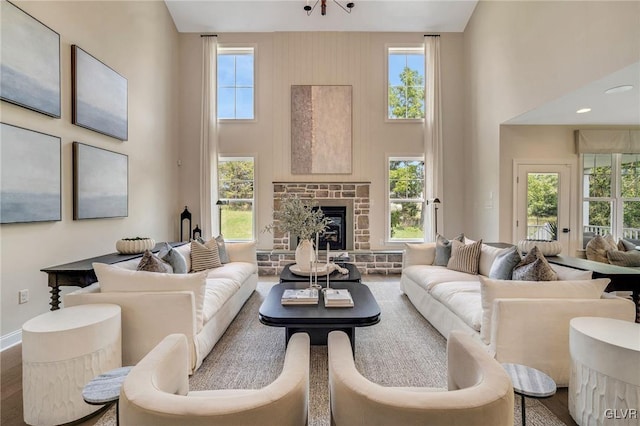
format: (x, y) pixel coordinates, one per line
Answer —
(335, 277)
(317, 320)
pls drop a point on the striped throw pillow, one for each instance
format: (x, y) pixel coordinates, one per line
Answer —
(465, 257)
(624, 258)
(204, 257)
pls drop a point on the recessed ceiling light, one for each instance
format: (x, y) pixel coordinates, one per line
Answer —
(583, 110)
(619, 89)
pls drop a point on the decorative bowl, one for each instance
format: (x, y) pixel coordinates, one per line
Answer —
(546, 247)
(134, 245)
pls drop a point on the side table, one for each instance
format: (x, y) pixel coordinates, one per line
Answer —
(61, 351)
(528, 381)
(105, 389)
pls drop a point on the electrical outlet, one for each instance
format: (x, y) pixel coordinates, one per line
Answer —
(23, 296)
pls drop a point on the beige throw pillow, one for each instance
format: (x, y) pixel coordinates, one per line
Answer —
(490, 290)
(597, 248)
(204, 257)
(465, 257)
(419, 254)
(624, 258)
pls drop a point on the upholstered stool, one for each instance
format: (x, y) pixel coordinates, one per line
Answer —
(604, 386)
(61, 352)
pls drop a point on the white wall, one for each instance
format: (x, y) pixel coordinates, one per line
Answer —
(139, 41)
(518, 56)
(357, 59)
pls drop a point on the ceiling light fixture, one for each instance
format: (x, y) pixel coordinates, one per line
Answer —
(619, 89)
(583, 110)
(323, 7)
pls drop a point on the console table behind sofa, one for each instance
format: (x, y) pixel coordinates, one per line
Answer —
(80, 273)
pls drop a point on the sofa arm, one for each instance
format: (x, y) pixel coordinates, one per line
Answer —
(147, 317)
(535, 332)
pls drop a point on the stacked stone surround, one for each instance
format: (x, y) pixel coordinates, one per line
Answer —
(356, 192)
(383, 262)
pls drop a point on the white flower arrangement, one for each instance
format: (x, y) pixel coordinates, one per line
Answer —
(299, 218)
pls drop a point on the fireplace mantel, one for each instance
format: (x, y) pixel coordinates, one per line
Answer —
(353, 194)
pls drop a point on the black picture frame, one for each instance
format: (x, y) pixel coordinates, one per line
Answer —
(100, 183)
(99, 96)
(30, 62)
(30, 176)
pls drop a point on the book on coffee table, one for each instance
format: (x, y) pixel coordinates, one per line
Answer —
(337, 298)
(307, 296)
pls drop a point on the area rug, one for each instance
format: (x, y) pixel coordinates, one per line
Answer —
(402, 350)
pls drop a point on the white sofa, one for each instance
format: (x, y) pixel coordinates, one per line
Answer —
(518, 322)
(201, 306)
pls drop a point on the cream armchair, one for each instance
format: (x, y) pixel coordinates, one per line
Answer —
(480, 392)
(156, 391)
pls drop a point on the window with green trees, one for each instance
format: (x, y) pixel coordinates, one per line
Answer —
(406, 198)
(611, 194)
(236, 194)
(406, 83)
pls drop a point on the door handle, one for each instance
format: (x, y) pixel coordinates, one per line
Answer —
(565, 230)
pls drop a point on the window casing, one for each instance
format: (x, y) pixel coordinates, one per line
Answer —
(236, 83)
(611, 195)
(405, 202)
(236, 192)
(405, 83)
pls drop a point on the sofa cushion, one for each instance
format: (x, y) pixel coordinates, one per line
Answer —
(114, 279)
(505, 261)
(174, 258)
(152, 263)
(597, 248)
(488, 255)
(565, 273)
(222, 250)
(443, 249)
(235, 271)
(624, 258)
(419, 254)
(491, 290)
(463, 299)
(465, 257)
(429, 276)
(185, 251)
(217, 292)
(204, 257)
(534, 267)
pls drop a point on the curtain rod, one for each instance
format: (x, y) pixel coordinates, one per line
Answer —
(208, 35)
(432, 35)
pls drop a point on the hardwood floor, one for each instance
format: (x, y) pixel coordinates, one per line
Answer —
(11, 388)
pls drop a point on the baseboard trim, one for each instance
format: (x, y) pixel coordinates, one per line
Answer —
(11, 339)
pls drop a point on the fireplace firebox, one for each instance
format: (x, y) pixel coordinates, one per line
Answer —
(336, 233)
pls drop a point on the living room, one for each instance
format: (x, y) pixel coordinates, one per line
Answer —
(506, 59)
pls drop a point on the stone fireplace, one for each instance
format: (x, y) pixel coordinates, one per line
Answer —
(352, 196)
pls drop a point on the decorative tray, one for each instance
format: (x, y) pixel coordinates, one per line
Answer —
(322, 268)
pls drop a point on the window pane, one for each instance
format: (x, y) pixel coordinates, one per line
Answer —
(406, 85)
(597, 175)
(406, 179)
(226, 70)
(244, 106)
(596, 217)
(237, 220)
(226, 103)
(406, 220)
(631, 219)
(542, 206)
(630, 176)
(244, 70)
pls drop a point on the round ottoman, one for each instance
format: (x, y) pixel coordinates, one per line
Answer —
(604, 386)
(61, 352)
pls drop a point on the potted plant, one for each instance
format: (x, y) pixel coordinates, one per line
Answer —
(298, 217)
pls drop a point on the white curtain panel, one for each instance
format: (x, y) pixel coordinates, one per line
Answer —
(209, 138)
(433, 136)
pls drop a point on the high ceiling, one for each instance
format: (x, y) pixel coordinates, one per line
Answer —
(432, 16)
(288, 15)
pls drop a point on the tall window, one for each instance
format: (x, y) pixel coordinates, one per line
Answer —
(611, 195)
(236, 83)
(236, 194)
(406, 83)
(406, 198)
